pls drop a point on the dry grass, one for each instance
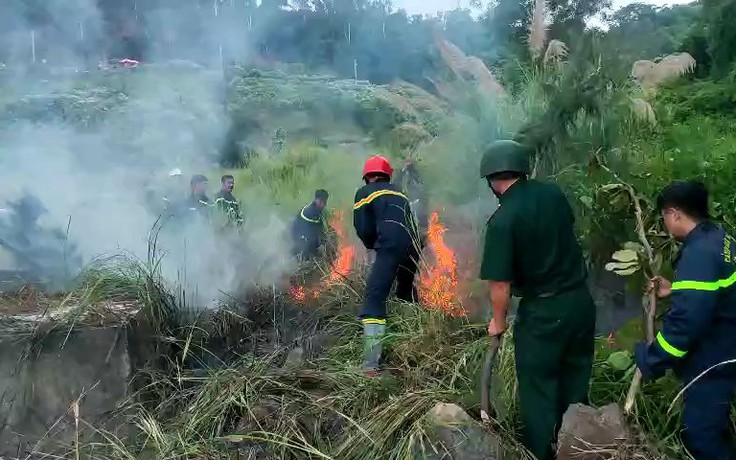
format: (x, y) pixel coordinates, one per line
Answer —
(468, 69)
(651, 74)
(538, 29)
(557, 52)
(643, 110)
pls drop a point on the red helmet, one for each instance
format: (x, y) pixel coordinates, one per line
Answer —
(377, 164)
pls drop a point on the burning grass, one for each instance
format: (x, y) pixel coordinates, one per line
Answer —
(438, 284)
(339, 269)
(437, 279)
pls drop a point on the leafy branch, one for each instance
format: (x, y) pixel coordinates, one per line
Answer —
(634, 257)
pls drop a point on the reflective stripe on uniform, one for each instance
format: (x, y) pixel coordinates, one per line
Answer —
(374, 321)
(304, 216)
(704, 285)
(677, 353)
(375, 195)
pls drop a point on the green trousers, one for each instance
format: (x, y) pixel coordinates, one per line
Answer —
(553, 340)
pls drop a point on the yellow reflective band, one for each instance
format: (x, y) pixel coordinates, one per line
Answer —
(704, 285)
(374, 321)
(314, 221)
(375, 195)
(669, 348)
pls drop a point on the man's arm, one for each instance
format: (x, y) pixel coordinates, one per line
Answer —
(497, 269)
(694, 295)
(363, 222)
(500, 300)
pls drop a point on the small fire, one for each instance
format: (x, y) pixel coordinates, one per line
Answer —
(297, 293)
(346, 252)
(438, 281)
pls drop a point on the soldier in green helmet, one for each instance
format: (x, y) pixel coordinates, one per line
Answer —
(531, 252)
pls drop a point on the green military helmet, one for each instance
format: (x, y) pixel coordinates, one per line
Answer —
(503, 156)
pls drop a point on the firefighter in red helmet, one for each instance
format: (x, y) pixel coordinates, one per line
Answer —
(383, 220)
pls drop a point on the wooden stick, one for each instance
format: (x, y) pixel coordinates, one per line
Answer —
(651, 311)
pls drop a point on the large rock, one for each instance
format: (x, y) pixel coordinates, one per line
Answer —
(455, 435)
(591, 434)
(56, 376)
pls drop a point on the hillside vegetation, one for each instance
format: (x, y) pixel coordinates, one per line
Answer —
(611, 135)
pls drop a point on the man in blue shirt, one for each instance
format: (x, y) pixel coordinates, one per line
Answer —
(698, 333)
(308, 228)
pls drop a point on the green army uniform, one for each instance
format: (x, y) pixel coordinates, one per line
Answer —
(530, 242)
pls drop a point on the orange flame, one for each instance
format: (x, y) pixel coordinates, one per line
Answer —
(438, 287)
(346, 252)
(297, 293)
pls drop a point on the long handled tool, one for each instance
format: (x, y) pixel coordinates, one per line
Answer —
(485, 379)
(651, 313)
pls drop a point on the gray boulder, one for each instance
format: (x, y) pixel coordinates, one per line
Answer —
(592, 434)
(454, 435)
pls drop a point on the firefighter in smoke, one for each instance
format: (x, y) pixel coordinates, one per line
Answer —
(160, 195)
(308, 228)
(383, 220)
(531, 251)
(198, 198)
(197, 203)
(226, 202)
(699, 331)
(410, 182)
(174, 187)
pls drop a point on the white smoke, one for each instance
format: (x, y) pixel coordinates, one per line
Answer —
(92, 174)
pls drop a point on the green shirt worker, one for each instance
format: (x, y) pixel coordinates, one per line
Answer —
(531, 252)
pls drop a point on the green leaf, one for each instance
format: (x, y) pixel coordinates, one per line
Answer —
(613, 266)
(626, 272)
(587, 201)
(625, 255)
(620, 360)
(633, 246)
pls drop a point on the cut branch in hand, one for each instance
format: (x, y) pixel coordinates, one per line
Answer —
(650, 306)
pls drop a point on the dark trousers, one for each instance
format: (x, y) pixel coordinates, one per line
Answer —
(304, 250)
(706, 417)
(554, 347)
(389, 265)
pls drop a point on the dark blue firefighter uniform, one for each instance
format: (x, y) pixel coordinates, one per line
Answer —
(697, 333)
(308, 232)
(383, 220)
